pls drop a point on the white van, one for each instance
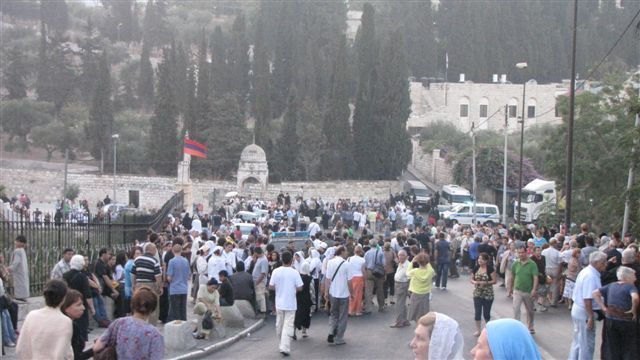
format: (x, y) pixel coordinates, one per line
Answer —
(463, 214)
(452, 195)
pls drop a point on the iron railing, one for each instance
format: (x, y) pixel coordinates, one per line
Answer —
(45, 242)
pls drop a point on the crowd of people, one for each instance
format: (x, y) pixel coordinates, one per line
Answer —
(360, 257)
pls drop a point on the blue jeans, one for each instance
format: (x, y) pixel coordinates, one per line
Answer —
(101, 312)
(8, 335)
(442, 274)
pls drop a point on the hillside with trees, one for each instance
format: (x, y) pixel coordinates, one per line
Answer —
(280, 73)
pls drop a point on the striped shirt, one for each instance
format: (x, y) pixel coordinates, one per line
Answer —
(146, 268)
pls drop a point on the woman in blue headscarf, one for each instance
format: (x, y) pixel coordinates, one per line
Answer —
(505, 339)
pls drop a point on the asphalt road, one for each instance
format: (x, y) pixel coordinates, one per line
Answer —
(370, 337)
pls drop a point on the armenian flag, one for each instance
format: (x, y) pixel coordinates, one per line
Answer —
(195, 148)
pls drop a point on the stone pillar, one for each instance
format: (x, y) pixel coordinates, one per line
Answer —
(183, 182)
(435, 155)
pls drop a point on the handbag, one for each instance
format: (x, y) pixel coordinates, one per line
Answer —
(207, 321)
(377, 272)
(109, 352)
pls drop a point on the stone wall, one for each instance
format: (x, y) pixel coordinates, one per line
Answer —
(432, 167)
(44, 187)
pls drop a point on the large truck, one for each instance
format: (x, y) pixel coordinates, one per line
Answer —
(539, 197)
(419, 191)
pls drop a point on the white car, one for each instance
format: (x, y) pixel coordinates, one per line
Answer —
(463, 214)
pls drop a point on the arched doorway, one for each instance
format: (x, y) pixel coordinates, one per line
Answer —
(251, 185)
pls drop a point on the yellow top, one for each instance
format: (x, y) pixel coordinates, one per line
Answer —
(420, 279)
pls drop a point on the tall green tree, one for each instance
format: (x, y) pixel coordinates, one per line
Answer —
(90, 46)
(287, 166)
(100, 126)
(220, 77)
(338, 157)
(364, 131)
(390, 148)
(145, 81)
(163, 140)
(226, 137)
(202, 93)
(190, 115)
(155, 28)
(56, 72)
(312, 141)
(262, 90)
(55, 14)
(238, 60)
(15, 73)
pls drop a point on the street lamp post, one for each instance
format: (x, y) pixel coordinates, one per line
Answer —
(521, 65)
(115, 138)
(118, 31)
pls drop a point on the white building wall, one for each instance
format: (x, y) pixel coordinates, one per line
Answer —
(428, 104)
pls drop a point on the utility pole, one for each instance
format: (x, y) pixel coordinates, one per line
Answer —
(473, 160)
(572, 97)
(522, 65)
(504, 175)
(627, 201)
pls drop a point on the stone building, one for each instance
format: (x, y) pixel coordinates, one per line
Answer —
(466, 102)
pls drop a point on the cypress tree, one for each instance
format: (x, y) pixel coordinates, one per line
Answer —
(163, 139)
(100, 126)
(89, 48)
(202, 93)
(338, 157)
(391, 105)
(287, 165)
(145, 82)
(283, 64)
(55, 14)
(15, 73)
(56, 74)
(220, 77)
(239, 60)
(365, 132)
(180, 65)
(190, 115)
(226, 137)
(261, 90)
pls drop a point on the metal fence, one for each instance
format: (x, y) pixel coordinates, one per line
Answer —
(45, 243)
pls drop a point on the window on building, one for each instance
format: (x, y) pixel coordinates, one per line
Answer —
(557, 111)
(513, 111)
(531, 111)
(483, 111)
(464, 107)
(464, 110)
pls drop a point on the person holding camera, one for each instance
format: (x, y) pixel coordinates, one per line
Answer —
(420, 277)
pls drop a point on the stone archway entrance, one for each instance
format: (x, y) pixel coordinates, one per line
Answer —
(251, 185)
(253, 171)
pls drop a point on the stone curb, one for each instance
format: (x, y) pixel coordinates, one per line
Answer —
(197, 354)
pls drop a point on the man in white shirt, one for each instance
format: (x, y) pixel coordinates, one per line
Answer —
(338, 291)
(401, 290)
(553, 262)
(285, 281)
(582, 312)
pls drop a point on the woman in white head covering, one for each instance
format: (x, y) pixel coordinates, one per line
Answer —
(437, 337)
(298, 259)
(302, 320)
(315, 266)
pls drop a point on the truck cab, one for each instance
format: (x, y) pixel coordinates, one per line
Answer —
(418, 190)
(538, 197)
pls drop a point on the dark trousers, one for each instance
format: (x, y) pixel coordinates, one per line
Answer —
(316, 286)
(620, 340)
(482, 308)
(164, 306)
(453, 269)
(442, 274)
(389, 284)
(177, 307)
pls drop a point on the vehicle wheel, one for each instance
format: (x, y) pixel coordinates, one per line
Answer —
(489, 223)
